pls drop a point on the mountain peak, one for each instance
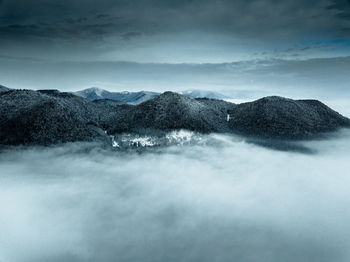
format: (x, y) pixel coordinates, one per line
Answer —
(98, 91)
(170, 96)
(170, 93)
(198, 93)
(95, 89)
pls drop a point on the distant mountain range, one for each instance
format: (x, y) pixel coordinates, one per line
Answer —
(47, 117)
(102, 96)
(132, 98)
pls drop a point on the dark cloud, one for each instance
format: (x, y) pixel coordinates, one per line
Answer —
(68, 27)
(261, 18)
(342, 8)
(340, 5)
(130, 35)
(173, 26)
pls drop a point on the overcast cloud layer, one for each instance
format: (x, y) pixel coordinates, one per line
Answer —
(172, 31)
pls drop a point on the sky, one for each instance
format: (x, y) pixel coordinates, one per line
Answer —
(171, 31)
(44, 34)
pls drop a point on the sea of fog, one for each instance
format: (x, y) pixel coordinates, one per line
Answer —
(220, 199)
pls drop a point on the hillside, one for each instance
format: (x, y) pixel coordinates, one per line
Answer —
(279, 117)
(31, 117)
(174, 111)
(48, 117)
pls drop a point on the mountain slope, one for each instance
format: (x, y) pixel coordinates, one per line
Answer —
(107, 101)
(174, 111)
(280, 117)
(31, 117)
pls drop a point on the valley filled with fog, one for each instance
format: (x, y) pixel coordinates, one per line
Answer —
(210, 198)
(174, 131)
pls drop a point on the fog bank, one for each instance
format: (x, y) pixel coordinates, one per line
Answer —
(220, 200)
